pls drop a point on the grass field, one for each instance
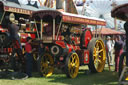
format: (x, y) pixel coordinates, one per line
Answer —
(105, 78)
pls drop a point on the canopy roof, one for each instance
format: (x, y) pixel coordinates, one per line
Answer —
(68, 17)
(107, 31)
(120, 12)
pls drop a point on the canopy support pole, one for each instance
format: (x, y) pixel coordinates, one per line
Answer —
(36, 28)
(115, 23)
(59, 30)
(41, 29)
(54, 29)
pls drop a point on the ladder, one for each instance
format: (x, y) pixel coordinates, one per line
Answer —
(123, 75)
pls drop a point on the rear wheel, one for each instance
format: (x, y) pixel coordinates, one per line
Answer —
(45, 65)
(97, 55)
(72, 65)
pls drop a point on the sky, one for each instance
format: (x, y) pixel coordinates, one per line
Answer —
(102, 7)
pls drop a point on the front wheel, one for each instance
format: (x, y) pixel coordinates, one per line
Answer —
(45, 65)
(72, 65)
(97, 55)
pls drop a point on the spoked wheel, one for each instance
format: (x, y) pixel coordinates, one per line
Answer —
(72, 65)
(97, 55)
(45, 65)
(122, 62)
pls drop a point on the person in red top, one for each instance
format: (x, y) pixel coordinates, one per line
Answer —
(29, 57)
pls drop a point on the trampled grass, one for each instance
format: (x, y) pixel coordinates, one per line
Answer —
(105, 78)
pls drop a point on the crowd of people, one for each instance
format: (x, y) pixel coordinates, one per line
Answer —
(115, 46)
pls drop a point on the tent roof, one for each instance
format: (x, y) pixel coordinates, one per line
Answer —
(107, 31)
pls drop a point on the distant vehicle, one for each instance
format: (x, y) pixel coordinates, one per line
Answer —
(11, 56)
(66, 44)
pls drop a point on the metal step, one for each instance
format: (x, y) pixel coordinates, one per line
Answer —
(122, 80)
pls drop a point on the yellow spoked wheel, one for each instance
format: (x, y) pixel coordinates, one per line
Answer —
(46, 63)
(72, 65)
(97, 55)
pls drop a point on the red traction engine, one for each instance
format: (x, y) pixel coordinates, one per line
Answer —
(65, 44)
(11, 56)
(10, 52)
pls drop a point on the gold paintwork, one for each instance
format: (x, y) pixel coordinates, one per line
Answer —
(73, 65)
(47, 65)
(99, 56)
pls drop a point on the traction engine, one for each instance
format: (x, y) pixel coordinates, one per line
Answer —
(65, 44)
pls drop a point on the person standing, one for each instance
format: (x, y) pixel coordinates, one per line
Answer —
(13, 29)
(29, 57)
(118, 51)
(109, 46)
(113, 43)
(126, 30)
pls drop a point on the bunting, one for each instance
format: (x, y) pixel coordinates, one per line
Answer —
(49, 3)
